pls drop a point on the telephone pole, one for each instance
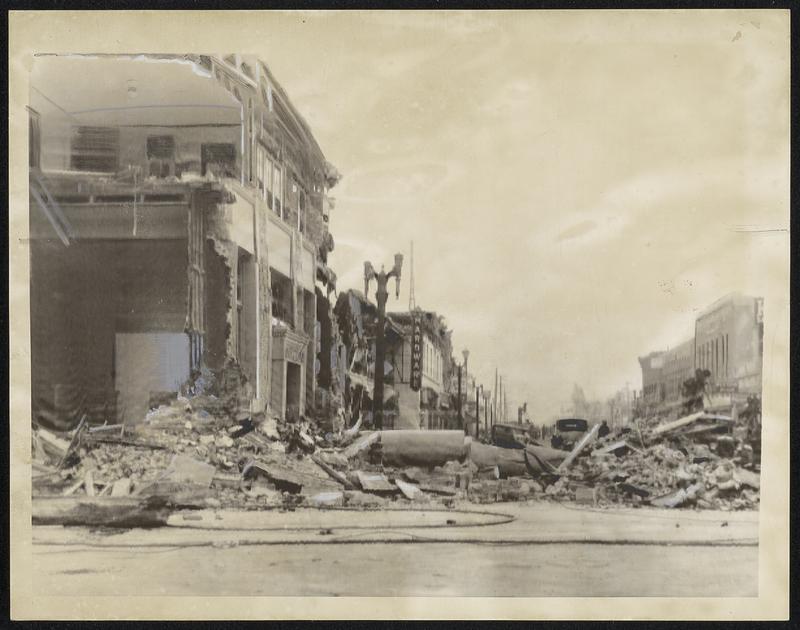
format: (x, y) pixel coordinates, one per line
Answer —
(495, 398)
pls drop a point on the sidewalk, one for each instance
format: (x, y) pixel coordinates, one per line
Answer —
(532, 523)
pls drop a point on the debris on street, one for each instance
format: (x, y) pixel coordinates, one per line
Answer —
(193, 452)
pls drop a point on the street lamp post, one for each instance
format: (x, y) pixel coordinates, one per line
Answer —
(381, 295)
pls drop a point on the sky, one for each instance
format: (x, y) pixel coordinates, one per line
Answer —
(577, 186)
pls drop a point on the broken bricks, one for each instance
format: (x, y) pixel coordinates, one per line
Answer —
(281, 477)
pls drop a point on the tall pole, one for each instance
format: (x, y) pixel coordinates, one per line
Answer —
(460, 414)
(377, 402)
(486, 412)
(465, 354)
(495, 397)
(381, 295)
(502, 402)
(477, 411)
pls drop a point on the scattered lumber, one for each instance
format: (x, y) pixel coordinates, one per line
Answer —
(590, 437)
(374, 482)
(364, 443)
(333, 473)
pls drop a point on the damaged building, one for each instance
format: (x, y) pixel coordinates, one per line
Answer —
(178, 229)
(409, 403)
(728, 343)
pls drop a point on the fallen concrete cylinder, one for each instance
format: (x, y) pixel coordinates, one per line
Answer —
(423, 448)
(511, 461)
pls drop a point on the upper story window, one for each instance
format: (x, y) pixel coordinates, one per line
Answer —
(277, 189)
(161, 156)
(301, 210)
(269, 180)
(261, 171)
(218, 159)
(95, 149)
(34, 139)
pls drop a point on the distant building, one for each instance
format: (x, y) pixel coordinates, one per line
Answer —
(729, 342)
(652, 383)
(678, 365)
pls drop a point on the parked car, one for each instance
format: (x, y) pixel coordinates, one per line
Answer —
(510, 435)
(568, 431)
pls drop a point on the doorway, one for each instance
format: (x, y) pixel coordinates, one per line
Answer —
(293, 390)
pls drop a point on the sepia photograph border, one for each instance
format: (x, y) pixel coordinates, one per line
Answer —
(32, 32)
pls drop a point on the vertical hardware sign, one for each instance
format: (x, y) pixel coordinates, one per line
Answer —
(416, 357)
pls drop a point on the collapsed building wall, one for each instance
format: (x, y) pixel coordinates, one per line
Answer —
(229, 249)
(98, 308)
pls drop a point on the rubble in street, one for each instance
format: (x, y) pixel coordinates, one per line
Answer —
(198, 452)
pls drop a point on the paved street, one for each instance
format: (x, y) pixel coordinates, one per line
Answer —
(547, 550)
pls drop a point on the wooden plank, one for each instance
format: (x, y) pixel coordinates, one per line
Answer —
(680, 422)
(89, 483)
(73, 488)
(374, 482)
(332, 472)
(354, 449)
(409, 490)
(591, 436)
(73, 443)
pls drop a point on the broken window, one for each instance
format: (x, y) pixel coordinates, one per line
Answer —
(282, 298)
(95, 149)
(160, 156)
(301, 211)
(262, 176)
(269, 180)
(277, 187)
(218, 159)
(34, 139)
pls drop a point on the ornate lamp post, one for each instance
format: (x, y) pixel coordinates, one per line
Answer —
(381, 295)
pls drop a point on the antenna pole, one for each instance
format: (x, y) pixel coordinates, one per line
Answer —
(412, 304)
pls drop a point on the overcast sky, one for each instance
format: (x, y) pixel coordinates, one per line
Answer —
(577, 185)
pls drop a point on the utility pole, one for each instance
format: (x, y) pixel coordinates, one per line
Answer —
(486, 411)
(465, 354)
(502, 402)
(494, 397)
(477, 411)
(381, 295)
(460, 414)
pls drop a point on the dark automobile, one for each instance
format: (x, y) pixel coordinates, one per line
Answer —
(568, 431)
(510, 435)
